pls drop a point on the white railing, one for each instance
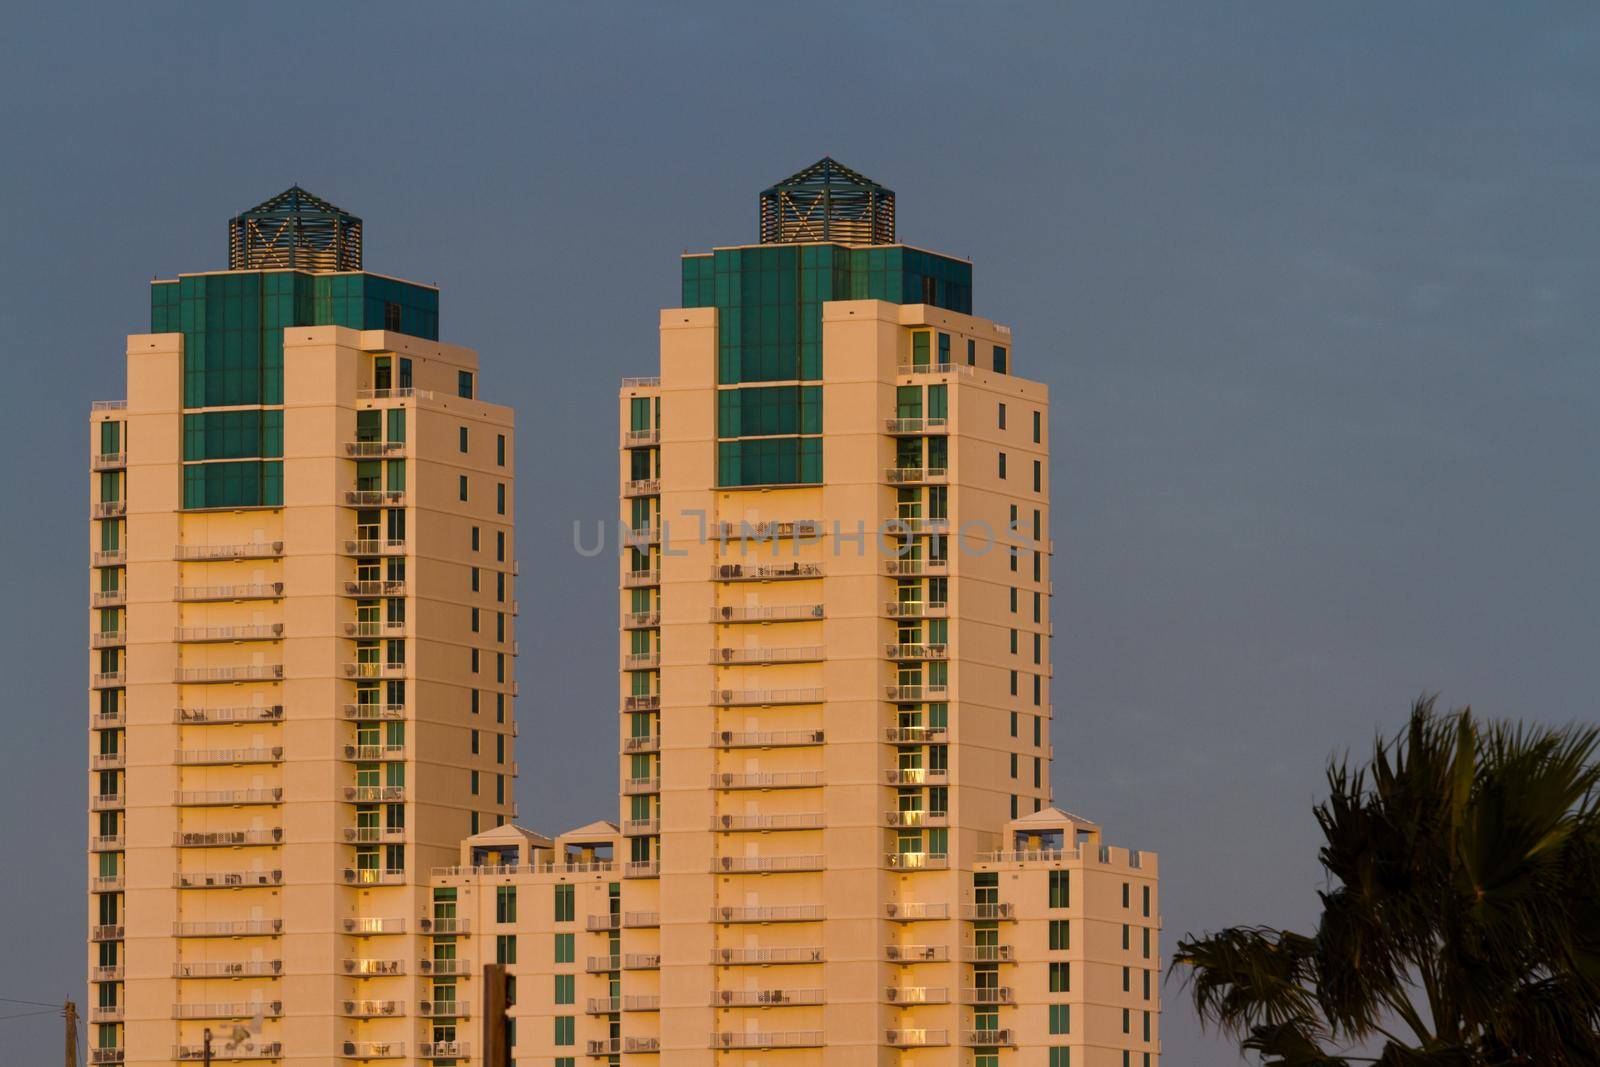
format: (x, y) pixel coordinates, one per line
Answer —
(264, 632)
(374, 711)
(369, 925)
(767, 780)
(439, 1050)
(641, 383)
(916, 861)
(767, 612)
(374, 967)
(916, 911)
(916, 953)
(765, 738)
(212, 797)
(773, 914)
(767, 864)
(641, 438)
(445, 967)
(916, 818)
(365, 449)
(227, 969)
(988, 1038)
(771, 530)
(229, 928)
(374, 497)
(760, 998)
(737, 697)
(247, 550)
(374, 1050)
(916, 775)
(915, 609)
(988, 995)
(373, 546)
(931, 425)
(721, 956)
(1047, 855)
(988, 953)
(901, 735)
(937, 651)
(241, 713)
(750, 1039)
(251, 672)
(192, 757)
(917, 994)
(800, 820)
(226, 838)
(913, 475)
(108, 405)
(912, 693)
(374, 793)
(233, 1009)
(641, 487)
(226, 879)
(638, 620)
(394, 394)
(246, 591)
(793, 654)
(916, 1038)
(374, 1009)
(764, 572)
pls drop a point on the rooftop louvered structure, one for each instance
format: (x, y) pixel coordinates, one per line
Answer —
(827, 202)
(294, 230)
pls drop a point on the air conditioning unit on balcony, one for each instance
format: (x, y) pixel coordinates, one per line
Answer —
(727, 863)
(726, 996)
(727, 737)
(425, 924)
(727, 820)
(727, 913)
(894, 909)
(892, 952)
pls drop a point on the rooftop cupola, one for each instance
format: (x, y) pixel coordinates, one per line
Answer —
(827, 202)
(296, 231)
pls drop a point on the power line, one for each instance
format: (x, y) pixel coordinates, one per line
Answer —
(35, 1003)
(30, 1014)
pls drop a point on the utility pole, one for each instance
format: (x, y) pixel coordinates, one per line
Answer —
(205, 1047)
(69, 1012)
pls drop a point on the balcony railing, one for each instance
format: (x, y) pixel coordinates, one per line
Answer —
(641, 487)
(647, 1002)
(916, 609)
(641, 961)
(445, 967)
(988, 1038)
(767, 612)
(986, 995)
(936, 368)
(603, 964)
(107, 801)
(365, 794)
(766, 864)
(108, 679)
(641, 827)
(374, 1050)
(108, 761)
(247, 550)
(227, 969)
(633, 786)
(916, 818)
(917, 426)
(641, 383)
(107, 1055)
(988, 953)
(916, 1038)
(913, 694)
(988, 911)
(641, 1044)
(375, 669)
(739, 956)
(432, 924)
(371, 449)
(800, 820)
(108, 638)
(375, 546)
(764, 572)
(917, 953)
(375, 587)
(107, 843)
(651, 743)
(195, 594)
(111, 557)
(244, 1050)
(634, 579)
(440, 1050)
(371, 498)
(226, 879)
(105, 461)
(640, 536)
(916, 861)
(196, 798)
(604, 922)
(229, 1009)
(771, 530)
(767, 998)
(374, 1009)
(368, 753)
(226, 838)
(200, 757)
(106, 932)
(765, 738)
(641, 661)
(767, 780)
(641, 869)
(796, 654)
(727, 698)
(1048, 855)
(916, 994)
(229, 928)
(108, 405)
(113, 973)
(641, 438)
(604, 1046)
(897, 651)
(394, 394)
(241, 713)
(108, 598)
(641, 920)
(916, 911)
(916, 775)
(366, 712)
(914, 475)
(445, 1009)
(374, 968)
(108, 509)
(640, 620)
(913, 735)
(248, 672)
(755, 1039)
(903, 568)
(108, 720)
(783, 913)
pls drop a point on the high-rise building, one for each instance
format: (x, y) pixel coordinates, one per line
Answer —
(836, 837)
(301, 653)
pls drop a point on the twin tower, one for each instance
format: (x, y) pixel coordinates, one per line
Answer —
(835, 840)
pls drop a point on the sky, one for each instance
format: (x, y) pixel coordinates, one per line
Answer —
(1306, 283)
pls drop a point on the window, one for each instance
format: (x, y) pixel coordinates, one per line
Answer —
(462, 439)
(1013, 805)
(566, 989)
(1060, 978)
(1002, 416)
(565, 1030)
(1002, 465)
(505, 948)
(1038, 481)
(500, 450)
(463, 487)
(476, 538)
(391, 316)
(475, 578)
(1060, 935)
(1037, 428)
(1013, 601)
(1060, 1019)
(464, 383)
(1127, 979)
(405, 373)
(1127, 1019)
(1038, 726)
(563, 948)
(1145, 892)
(505, 901)
(999, 359)
(474, 779)
(1060, 1056)
(1146, 932)
(566, 904)
(1013, 774)
(1146, 977)
(473, 735)
(1013, 724)
(972, 352)
(1126, 890)
(1060, 889)
(500, 546)
(1127, 937)
(500, 499)
(475, 620)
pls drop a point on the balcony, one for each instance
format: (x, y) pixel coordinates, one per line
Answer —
(640, 620)
(108, 598)
(641, 827)
(394, 394)
(459, 968)
(374, 670)
(916, 775)
(108, 1055)
(801, 820)
(796, 654)
(641, 438)
(772, 530)
(641, 869)
(226, 838)
(368, 712)
(917, 953)
(936, 368)
(200, 594)
(373, 876)
(226, 879)
(113, 973)
(429, 924)
(916, 861)
(445, 1009)
(727, 957)
(641, 920)
(106, 932)
(641, 1044)
(915, 426)
(108, 509)
(756, 1039)
(107, 843)
(767, 780)
(650, 743)
(375, 546)
(916, 911)
(374, 1050)
(641, 661)
(107, 801)
(229, 928)
(249, 672)
(603, 922)
(442, 1050)
(198, 634)
(916, 994)
(910, 568)
(988, 912)
(988, 954)
(731, 698)
(201, 798)
(108, 720)
(916, 1038)
(914, 735)
(229, 1009)
(640, 536)
(767, 998)
(915, 694)
(247, 550)
(896, 651)
(916, 609)
(765, 738)
(641, 383)
(374, 449)
(108, 679)
(767, 612)
(915, 475)
(108, 461)
(766, 864)
(790, 913)
(108, 761)
(641, 1003)
(634, 786)
(374, 498)
(916, 818)
(247, 1050)
(211, 757)
(605, 1046)
(603, 964)
(375, 968)
(374, 925)
(372, 794)
(374, 587)
(113, 557)
(641, 487)
(228, 969)
(374, 1009)
(241, 713)
(989, 995)
(635, 579)
(368, 753)
(989, 1038)
(765, 572)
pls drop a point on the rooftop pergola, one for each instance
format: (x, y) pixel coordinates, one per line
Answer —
(294, 230)
(827, 202)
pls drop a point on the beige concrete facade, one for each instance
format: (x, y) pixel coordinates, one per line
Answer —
(297, 710)
(835, 837)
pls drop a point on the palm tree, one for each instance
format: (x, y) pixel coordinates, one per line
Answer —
(1461, 922)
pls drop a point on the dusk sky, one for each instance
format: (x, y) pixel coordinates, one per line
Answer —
(1306, 284)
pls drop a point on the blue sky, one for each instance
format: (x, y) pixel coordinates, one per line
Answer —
(1307, 284)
